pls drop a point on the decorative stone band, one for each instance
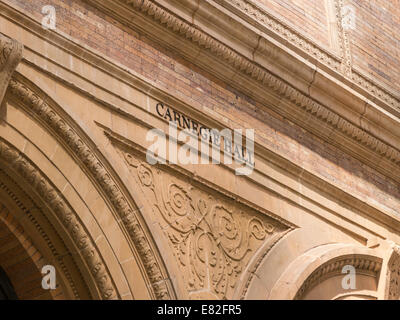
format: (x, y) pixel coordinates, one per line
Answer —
(66, 133)
(284, 31)
(298, 40)
(363, 264)
(344, 39)
(375, 90)
(34, 177)
(392, 290)
(10, 56)
(266, 78)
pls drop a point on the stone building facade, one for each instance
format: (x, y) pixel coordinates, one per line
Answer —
(83, 82)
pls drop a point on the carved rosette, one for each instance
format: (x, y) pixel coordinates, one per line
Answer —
(10, 56)
(212, 238)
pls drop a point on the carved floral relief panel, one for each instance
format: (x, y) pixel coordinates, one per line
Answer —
(212, 237)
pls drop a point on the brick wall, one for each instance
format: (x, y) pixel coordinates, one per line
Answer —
(375, 42)
(184, 80)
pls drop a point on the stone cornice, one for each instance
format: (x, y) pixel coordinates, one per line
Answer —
(376, 91)
(348, 136)
(389, 219)
(254, 14)
(124, 75)
(253, 22)
(255, 72)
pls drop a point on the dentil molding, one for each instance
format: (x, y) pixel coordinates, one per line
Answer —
(54, 199)
(358, 141)
(254, 13)
(38, 221)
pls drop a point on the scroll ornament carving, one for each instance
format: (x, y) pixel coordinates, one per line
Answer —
(211, 239)
(266, 78)
(66, 133)
(393, 276)
(10, 56)
(65, 214)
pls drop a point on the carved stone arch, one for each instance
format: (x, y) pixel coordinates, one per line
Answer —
(21, 261)
(317, 274)
(268, 271)
(73, 139)
(27, 223)
(62, 221)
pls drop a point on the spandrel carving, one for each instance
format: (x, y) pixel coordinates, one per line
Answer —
(212, 237)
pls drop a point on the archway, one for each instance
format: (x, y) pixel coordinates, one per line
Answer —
(31, 238)
(7, 291)
(318, 274)
(45, 155)
(20, 263)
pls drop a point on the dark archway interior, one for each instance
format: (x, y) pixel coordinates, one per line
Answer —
(7, 291)
(20, 277)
